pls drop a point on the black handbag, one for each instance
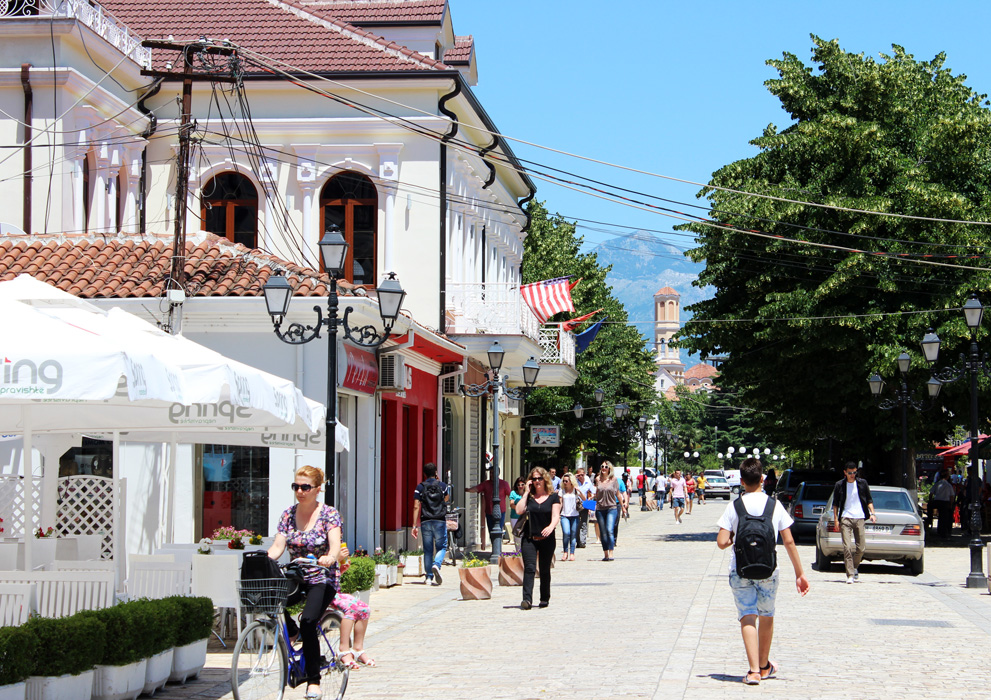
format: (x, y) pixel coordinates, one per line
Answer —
(520, 526)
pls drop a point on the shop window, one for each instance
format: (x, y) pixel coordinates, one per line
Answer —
(230, 208)
(91, 458)
(235, 488)
(350, 201)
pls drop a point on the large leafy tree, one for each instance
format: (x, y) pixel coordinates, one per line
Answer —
(811, 300)
(617, 360)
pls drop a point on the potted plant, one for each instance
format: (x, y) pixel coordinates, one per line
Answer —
(358, 578)
(193, 630)
(476, 583)
(392, 568)
(511, 569)
(161, 636)
(120, 673)
(68, 649)
(381, 568)
(17, 651)
(413, 561)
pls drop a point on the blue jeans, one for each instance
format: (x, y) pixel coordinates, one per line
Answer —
(434, 536)
(491, 520)
(607, 517)
(569, 532)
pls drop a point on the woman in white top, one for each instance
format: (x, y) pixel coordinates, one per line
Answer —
(569, 516)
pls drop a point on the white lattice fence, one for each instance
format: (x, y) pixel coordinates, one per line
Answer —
(12, 504)
(86, 507)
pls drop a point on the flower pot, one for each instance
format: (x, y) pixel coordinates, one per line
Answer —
(60, 687)
(119, 682)
(510, 571)
(414, 565)
(188, 661)
(391, 573)
(400, 572)
(476, 583)
(364, 596)
(158, 671)
(382, 573)
(14, 691)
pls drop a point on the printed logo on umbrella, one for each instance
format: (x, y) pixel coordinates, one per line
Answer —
(26, 378)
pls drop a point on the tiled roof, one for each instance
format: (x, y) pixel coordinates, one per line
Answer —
(138, 266)
(701, 371)
(361, 12)
(325, 44)
(461, 53)
(667, 291)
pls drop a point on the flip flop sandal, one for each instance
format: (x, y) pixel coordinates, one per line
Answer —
(749, 679)
(352, 664)
(358, 653)
(771, 671)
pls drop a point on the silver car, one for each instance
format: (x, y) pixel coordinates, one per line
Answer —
(809, 503)
(717, 486)
(897, 536)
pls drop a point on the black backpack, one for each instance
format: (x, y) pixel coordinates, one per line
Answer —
(756, 557)
(432, 502)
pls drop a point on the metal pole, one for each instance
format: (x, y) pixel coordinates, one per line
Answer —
(903, 401)
(643, 467)
(330, 427)
(976, 578)
(496, 506)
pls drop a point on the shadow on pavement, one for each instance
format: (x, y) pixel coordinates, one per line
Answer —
(723, 677)
(688, 537)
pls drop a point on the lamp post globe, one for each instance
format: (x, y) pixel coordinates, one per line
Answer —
(579, 411)
(278, 294)
(496, 355)
(599, 394)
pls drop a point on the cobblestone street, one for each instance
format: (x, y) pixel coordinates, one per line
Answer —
(659, 622)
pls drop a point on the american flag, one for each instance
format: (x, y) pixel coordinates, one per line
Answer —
(548, 297)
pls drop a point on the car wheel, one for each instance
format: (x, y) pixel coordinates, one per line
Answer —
(822, 561)
(916, 566)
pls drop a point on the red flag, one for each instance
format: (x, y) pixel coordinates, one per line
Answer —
(575, 322)
(548, 297)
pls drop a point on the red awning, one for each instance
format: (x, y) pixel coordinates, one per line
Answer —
(962, 449)
(362, 373)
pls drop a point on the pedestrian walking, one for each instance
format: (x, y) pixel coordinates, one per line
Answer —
(514, 497)
(852, 504)
(700, 485)
(607, 506)
(751, 524)
(661, 490)
(430, 518)
(678, 490)
(690, 490)
(770, 482)
(942, 497)
(585, 489)
(642, 490)
(570, 504)
(543, 509)
(624, 508)
(485, 489)
(555, 479)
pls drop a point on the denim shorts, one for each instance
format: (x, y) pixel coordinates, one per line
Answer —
(677, 502)
(753, 596)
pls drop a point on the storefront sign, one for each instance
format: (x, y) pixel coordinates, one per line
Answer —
(362, 373)
(545, 436)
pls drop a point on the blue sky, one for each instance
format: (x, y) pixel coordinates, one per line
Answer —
(675, 87)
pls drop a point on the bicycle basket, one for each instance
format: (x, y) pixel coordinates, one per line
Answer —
(263, 595)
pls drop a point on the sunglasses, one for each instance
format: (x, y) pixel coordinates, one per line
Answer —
(302, 487)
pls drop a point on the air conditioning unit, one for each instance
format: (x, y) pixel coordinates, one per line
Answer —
(392, 372)
(452, 385)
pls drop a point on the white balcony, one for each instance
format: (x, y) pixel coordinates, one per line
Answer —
(92, 15)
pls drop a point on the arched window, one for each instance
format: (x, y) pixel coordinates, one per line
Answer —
(350, 201)
(230, 208)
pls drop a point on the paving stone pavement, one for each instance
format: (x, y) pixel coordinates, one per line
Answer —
(659, 622)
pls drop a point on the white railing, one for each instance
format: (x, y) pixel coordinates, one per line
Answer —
(491, 308)
(93, 16)
(557, 346)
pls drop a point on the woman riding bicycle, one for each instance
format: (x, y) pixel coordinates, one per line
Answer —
(309, 528)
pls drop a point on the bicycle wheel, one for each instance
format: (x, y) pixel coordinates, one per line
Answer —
(335, 674)
(258, 666)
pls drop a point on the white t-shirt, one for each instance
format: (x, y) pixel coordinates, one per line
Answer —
(852, 507)
(569, 505)
(586, 489)
(754, 503)
(662, 483)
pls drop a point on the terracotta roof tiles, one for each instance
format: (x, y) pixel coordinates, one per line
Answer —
(701, 371)
(461, 53)
(361, 12)
(666, 291)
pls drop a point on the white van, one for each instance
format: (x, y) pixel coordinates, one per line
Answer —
(733, 477)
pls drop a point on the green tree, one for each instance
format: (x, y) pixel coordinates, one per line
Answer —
(804, 324)
(617, 360)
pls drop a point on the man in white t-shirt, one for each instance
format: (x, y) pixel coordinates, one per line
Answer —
(755, 597)
(661, 489)
(851, 504)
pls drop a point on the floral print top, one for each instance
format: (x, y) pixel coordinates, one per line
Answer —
(302, 543)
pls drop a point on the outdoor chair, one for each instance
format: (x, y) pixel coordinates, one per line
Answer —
(73, 565)
(157, 579)
(64, 593)
(8, 557)
(16, 603)
(214, 578)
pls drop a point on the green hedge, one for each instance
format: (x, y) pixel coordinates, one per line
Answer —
(360, 575)
(18, 648)
(67, 645)
(196, 620)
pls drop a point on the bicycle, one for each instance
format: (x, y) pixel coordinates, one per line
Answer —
(265, 657)
(453, 516)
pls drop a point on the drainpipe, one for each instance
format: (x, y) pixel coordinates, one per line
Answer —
(442, 108)
(522, 205)
(152, 126)
(28, 165)
(492, 171)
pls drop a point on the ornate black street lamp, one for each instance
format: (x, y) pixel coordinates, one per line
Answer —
(972, 364)
(278, 295)
(497, 385)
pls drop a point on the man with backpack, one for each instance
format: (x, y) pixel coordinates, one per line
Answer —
(750, 524)
(430, 515)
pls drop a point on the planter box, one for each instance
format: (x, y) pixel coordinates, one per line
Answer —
(119, 682)
(364, 596)
(414, 565)
(378, 581)
(476, 583)
(158, 671)
(188, 661)
(14, 691)
(400, 572)
(60, 687)
(510, 571)
(391, 574)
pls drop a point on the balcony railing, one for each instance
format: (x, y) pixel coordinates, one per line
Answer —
(557, 346)
(93, 16)
(489, 308)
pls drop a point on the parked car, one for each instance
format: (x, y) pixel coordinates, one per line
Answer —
(717, 486)
(790, 479)
(809, 503)
(733, 477)
(897, 536)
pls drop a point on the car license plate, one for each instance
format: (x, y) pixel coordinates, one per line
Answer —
(879, 529)
(818, 510)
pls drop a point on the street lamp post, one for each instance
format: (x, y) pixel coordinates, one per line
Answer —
(973, 363)
(642, 423)
(278, 295)
(496, 386)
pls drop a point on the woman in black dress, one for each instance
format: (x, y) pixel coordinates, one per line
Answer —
(544, 508)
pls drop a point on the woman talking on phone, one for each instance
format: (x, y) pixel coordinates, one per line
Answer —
(543, 511)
